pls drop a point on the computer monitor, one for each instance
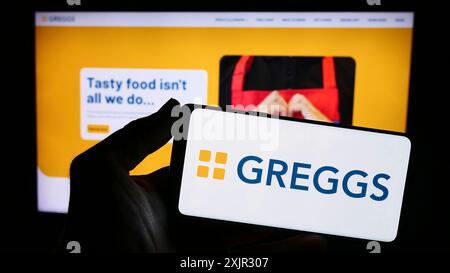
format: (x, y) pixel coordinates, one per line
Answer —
(97, 71)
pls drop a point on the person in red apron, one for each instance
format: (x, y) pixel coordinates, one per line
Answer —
(312, 103)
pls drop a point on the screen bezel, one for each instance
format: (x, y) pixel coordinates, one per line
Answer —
(311, 9)
(413, 123)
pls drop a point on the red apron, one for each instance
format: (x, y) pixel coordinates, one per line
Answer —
(325, 99)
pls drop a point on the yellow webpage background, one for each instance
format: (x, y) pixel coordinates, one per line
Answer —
(382, 59)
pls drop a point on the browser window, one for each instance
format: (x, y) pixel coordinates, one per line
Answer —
(97, 71)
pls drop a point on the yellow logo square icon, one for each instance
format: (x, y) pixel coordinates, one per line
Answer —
(205, 156)
(221, 157)
(202, 171)
(218, 171)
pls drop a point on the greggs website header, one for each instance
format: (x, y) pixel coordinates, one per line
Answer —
(231, 19)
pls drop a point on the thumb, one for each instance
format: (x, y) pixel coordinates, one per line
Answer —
(131, 144)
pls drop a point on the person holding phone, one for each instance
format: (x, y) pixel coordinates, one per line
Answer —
(113, 211)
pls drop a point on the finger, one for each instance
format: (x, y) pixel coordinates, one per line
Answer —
(277, 109)
(282, 111)
(157, 179)
(158, 183)
(131, 144)
(309, 111)
(297, 99)
(296, 104)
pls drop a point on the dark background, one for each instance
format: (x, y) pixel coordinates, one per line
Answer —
(423, 223)
(275, 73)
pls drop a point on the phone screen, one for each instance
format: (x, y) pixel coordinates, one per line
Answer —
(286, 173)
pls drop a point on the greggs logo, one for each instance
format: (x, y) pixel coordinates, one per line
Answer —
(300, 176)
(218, 165)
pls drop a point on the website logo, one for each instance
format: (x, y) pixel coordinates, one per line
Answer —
(327, 180)
(218, 165)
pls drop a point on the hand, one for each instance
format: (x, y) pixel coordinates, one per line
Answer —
(111, 211)
(300, 103)
(273, 104)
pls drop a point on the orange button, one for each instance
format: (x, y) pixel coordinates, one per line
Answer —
(98, 128)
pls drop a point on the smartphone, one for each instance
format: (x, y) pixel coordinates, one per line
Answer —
(254, 168)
